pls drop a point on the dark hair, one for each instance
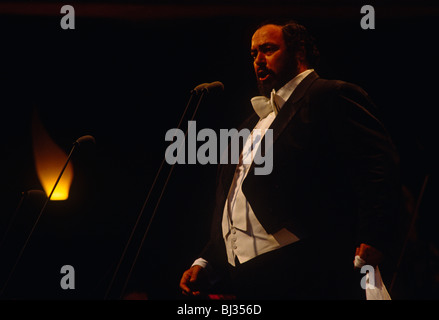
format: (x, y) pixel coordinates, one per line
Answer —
(296, 37)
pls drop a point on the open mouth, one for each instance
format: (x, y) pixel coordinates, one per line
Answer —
(263, 75)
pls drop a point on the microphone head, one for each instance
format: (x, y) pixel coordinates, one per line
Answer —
(30, 200)
(215, 86)
(86, 138)
(208, 87)
(198, 89)
(34, 193)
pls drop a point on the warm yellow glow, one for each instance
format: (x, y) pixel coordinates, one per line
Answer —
(49, 161)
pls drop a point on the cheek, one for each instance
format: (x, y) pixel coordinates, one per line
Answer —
(277, 62)
(255, 66)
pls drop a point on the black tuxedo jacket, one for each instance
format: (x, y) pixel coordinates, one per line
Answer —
(335, 173)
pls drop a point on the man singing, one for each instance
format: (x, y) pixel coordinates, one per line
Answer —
(333, 192)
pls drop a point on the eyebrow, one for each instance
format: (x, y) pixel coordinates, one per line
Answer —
(264, 46)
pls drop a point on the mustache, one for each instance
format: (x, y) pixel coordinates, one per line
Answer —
(262, 71)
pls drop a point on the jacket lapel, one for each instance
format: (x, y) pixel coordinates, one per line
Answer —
(288, 111)
(284, 116)
(228, 170)
(292, 105)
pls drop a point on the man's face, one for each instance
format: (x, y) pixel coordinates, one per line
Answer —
(274, 66)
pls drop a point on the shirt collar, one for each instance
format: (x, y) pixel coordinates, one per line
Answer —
(287, 90)
(263, 106)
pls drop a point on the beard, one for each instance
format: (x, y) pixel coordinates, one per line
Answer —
(265, 87)
(276, 80)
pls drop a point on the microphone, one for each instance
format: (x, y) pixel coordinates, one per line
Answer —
(200, 90)
(206, 87)
(83, 139)
(215, 86)
(27, 196)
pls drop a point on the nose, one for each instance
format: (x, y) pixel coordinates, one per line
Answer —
(260, 59)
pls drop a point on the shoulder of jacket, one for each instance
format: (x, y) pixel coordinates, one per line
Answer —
(336, 87)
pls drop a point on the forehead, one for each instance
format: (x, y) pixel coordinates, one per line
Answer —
(267, 34)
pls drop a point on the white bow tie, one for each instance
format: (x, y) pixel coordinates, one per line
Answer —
(264, 106)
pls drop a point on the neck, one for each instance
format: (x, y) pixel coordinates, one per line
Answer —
(300, 68)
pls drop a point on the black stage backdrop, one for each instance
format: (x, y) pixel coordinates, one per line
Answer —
(124, 75)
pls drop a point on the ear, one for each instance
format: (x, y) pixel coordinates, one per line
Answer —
(301, 55)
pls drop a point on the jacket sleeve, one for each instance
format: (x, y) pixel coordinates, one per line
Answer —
(371, 161)
(214, 251)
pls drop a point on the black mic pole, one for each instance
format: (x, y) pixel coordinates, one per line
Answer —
(200, 89)
(25, 196)
(75, 144)
(22, 198)
(192, 94)
(203, 91)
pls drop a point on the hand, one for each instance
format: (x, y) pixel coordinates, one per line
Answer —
(193, 280)
(371, 255)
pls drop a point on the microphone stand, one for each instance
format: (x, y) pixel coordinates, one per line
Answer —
(76, 143)
(199, 89)
(25, 196)
(20, 203)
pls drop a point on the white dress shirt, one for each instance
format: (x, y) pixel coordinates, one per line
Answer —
(244, 236)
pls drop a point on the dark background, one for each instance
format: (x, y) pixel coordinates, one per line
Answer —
(124, 76)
